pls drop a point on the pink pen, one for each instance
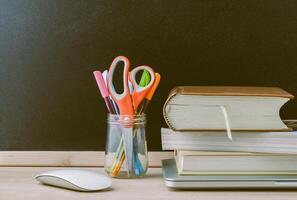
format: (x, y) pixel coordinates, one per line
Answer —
(104, 91)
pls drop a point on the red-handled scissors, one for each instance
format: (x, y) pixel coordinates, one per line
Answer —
(128, 103)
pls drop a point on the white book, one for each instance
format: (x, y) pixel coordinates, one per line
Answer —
(265, 142)
(211, 163)
(218, 108)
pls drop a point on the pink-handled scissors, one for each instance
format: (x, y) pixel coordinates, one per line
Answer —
(128, 103)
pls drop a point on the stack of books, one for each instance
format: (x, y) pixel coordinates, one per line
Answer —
(229, 130)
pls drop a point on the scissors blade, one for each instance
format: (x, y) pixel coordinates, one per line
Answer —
(128, 145)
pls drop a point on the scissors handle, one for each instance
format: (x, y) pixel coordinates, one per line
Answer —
(140, 92)
(123, 100)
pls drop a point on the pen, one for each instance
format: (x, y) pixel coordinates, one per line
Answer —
(145, 78)
(145, 102)
(104, 91)
(104, 75)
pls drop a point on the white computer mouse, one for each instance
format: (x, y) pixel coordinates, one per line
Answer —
(74, 179)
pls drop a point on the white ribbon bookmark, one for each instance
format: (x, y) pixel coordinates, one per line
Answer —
(226, 122)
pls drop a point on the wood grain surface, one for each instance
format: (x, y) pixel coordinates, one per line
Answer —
(18, 183)
(67, 158)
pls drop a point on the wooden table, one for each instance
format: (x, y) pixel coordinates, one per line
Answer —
(18, 183)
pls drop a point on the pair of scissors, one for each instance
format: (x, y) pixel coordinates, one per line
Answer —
(126, 102)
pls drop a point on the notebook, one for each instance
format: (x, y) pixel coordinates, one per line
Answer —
(207, 107)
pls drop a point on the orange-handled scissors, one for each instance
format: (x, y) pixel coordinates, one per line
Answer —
(128, 103)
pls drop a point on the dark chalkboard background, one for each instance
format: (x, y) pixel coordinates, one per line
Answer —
(48, 50)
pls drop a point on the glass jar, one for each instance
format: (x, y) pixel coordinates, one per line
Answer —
(126, 148)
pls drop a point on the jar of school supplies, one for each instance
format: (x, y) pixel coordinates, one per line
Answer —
(126, 150)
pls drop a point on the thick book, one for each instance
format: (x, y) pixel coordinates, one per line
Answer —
(263, 142)
(234, 163)
(209, 108)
